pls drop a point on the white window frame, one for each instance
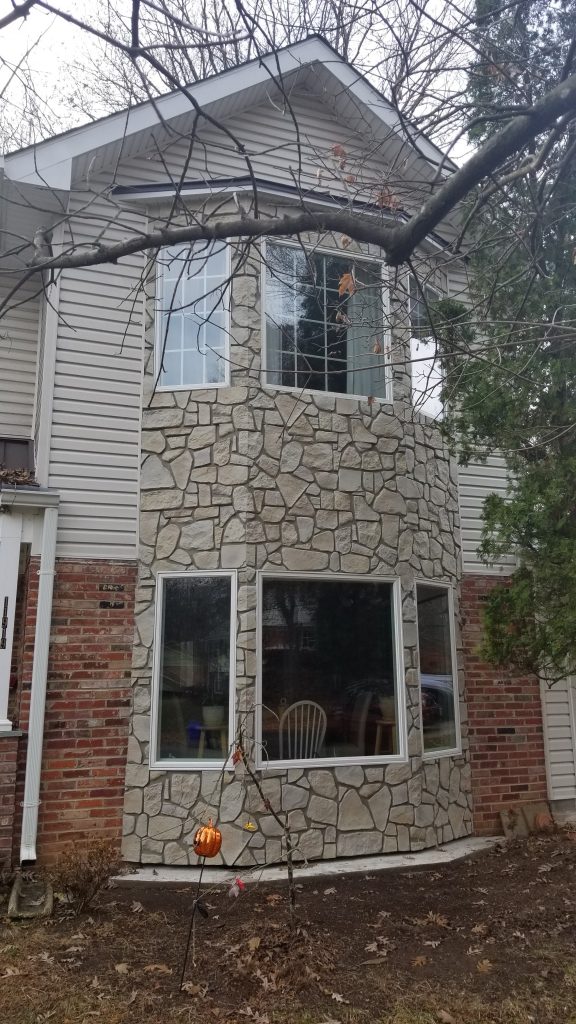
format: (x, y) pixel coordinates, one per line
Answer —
(262, 762)
(386, 334)
(191, 764)
(158, 333)
(434, 755)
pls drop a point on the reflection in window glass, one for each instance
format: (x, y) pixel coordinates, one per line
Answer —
(436, 670)
(316, 338)
(328, 673)
(424, 359)
(192, 337)
(194, 662)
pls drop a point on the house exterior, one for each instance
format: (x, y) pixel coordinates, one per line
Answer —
(239, 527)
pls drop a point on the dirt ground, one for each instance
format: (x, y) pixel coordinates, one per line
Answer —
(490, 940)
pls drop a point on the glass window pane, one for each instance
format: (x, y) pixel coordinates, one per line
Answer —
(171, 374)
(425, 362)
(194, 686)
(192, 301)
(437, 682)
(328, 674)
(302, 293)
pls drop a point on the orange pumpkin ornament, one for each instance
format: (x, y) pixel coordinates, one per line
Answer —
(208, 840)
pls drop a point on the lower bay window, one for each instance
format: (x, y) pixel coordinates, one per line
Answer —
(329, 670)
(331, 653)
(438, 681)
(195, 653)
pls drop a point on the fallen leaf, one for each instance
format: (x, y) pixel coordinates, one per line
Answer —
(158, 969)
(136, 907)
(196, 990)
(330, 892)
(133, 997)
(254, 943)
(11, 972)
(120, 969)
(420, 961)
(338, 997)
(345, 241)
(480, 929)
(445, 1017)
(484, 966)
(473, 950)
(438, 919)
(274, 897)
(433, 943)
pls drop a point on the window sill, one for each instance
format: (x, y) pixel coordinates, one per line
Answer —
(176, 765)
(369, 760)
(299, 392)
(190, 387)
(435, 755)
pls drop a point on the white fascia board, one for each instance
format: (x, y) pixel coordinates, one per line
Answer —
(50, 163)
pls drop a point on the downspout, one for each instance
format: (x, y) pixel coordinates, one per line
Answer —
(38, 689)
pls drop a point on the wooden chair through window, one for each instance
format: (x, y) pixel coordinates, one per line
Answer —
(302, 729)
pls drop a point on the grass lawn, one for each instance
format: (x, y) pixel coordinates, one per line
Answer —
(486, 941)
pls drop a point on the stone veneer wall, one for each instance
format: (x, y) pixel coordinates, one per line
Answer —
(251, 479)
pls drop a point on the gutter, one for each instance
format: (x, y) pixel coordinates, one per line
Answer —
(48, 501)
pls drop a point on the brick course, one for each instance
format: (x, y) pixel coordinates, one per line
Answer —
(88, 701)
(8, 763)
(505, 723)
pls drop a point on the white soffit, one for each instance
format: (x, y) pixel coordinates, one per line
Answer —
(50, 163)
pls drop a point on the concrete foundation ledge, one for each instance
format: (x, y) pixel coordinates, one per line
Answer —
(437, 857)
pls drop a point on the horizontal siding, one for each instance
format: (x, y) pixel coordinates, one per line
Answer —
(19, 329)
(559, 731)
(277, 152)
(95, 435)
(475, 482)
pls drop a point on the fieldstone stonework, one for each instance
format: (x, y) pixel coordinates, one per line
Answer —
(252, 478)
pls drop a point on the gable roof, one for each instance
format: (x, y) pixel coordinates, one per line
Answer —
(53, 162)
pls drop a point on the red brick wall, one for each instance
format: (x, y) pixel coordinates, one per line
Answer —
(88, 701)
(505, 723)
(8, 763)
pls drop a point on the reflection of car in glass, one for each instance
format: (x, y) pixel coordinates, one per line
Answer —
(436, 697)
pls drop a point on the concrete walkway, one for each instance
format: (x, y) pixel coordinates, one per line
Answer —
(440, 855)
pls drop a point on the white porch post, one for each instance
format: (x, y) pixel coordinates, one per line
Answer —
(10, 537)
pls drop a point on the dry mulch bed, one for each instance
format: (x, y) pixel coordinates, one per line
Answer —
(490, 940)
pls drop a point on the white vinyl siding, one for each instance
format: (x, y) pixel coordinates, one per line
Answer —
(277, 151)
(475, 482)
(18, 357)
(558, 714)
(95, 440)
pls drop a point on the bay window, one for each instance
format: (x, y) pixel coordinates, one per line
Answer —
(192, 315)
(325, 328)
(194, 655)
(438, 683)
(329, 669)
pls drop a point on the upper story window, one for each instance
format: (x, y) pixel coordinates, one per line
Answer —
(325, 327)
(425, 361)
(192, 315)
